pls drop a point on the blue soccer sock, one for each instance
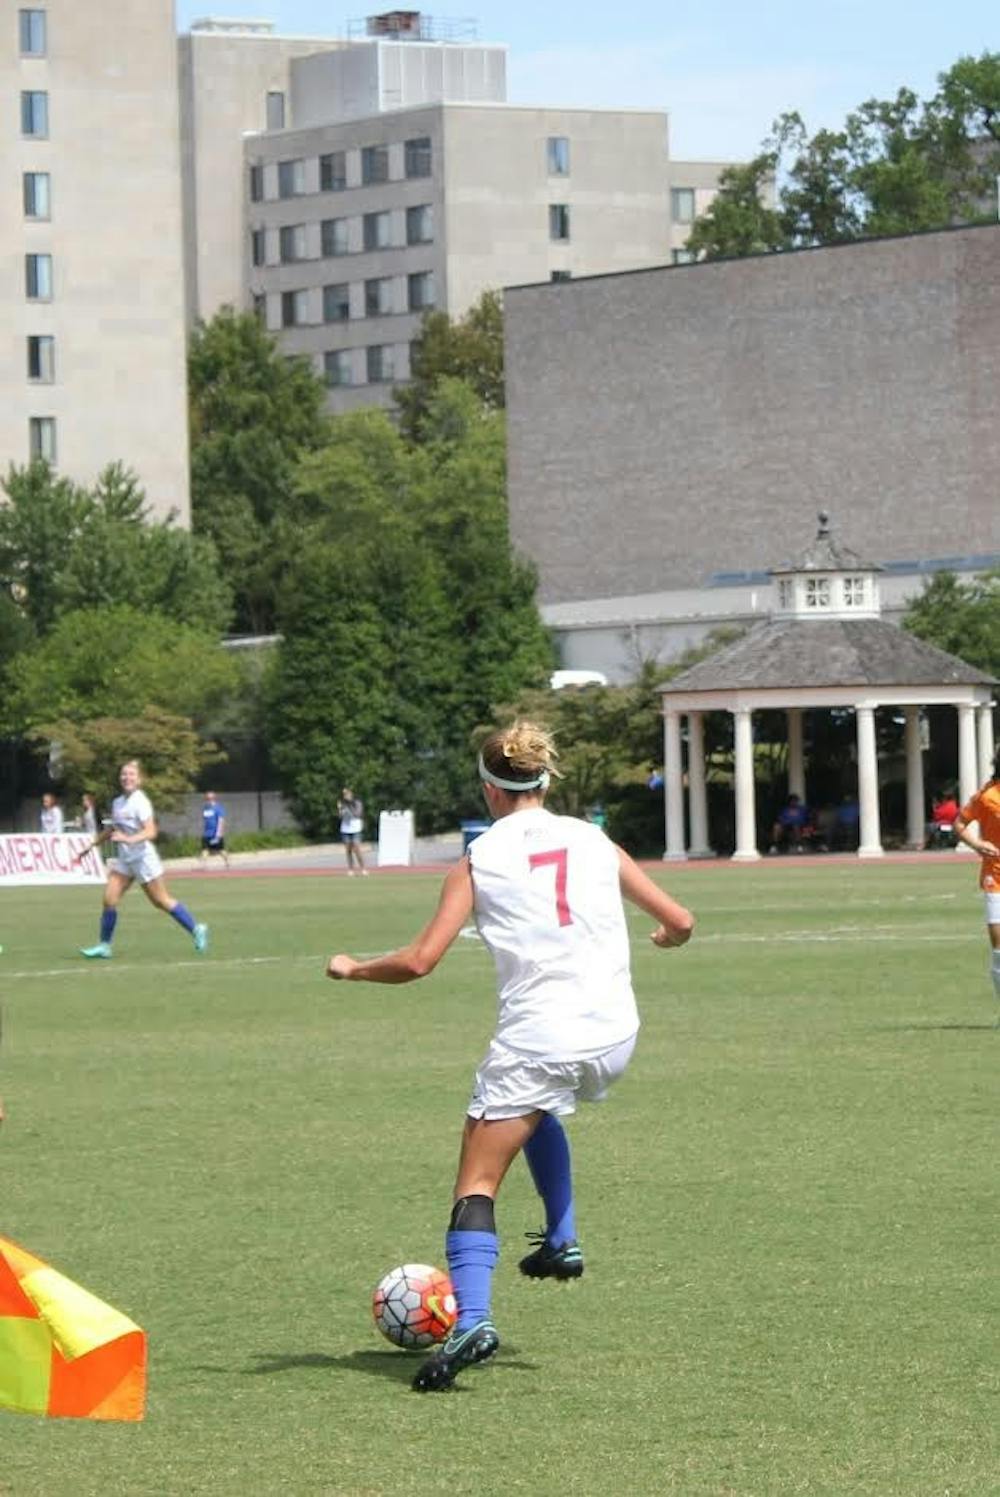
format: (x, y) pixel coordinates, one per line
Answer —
(547, 1153)
(109, 919)
(183, 917)
(472, 1256)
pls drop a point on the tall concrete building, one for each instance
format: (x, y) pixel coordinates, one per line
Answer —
(92, 360)
(344, 188)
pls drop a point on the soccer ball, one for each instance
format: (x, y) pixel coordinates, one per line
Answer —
(414, 1305)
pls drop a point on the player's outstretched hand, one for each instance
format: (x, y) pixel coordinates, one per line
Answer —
(664, 936)
(340, 966)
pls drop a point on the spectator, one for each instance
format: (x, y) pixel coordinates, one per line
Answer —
(352, 825)
(88, 814)
(213, 829)
(941, 828)
(792, 827)
(51, 818)
(848, 822)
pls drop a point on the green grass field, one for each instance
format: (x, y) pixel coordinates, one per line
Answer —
(788, 1207)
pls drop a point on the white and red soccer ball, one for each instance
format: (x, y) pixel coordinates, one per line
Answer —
(414, 1305)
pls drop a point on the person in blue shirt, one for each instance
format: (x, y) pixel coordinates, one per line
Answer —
(213, 829)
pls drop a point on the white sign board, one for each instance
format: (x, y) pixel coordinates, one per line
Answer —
(47, 858)
(395, 839)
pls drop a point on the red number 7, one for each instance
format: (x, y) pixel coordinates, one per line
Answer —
(557, 860)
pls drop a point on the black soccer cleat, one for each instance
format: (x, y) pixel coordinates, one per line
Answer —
(461, 1349)
(548, 1262)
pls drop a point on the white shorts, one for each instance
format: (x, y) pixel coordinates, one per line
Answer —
(141, 863)
(992, 907)
(508, 1084)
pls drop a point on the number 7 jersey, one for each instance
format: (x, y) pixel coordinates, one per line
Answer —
(548, 905)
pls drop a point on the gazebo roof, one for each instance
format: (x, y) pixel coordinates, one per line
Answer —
(799, 654)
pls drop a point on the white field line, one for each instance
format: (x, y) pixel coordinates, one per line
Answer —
(841, 933)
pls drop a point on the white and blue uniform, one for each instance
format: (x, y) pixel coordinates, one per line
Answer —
(138, 860)
(548, 906)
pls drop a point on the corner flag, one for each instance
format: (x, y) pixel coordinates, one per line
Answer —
(64, 1352)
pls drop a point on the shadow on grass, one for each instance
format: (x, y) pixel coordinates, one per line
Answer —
(397, 1366)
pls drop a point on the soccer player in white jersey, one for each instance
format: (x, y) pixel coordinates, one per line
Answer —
(132, 830)
(546, 892)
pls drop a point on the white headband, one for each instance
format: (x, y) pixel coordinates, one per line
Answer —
(540, 782)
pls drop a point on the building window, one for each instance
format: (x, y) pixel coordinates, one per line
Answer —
(558, 221)
(38, 277)
(786, 593)
(380, 363)
(420, 291)
(294, 308)
(42, 360)
(256, 183)
(291, 178)
(854, 592)
(260, 307)
(291, 243)
(817, 592)
(333, 171)
(31, 27)
(377, 231)
(275, 110)
(378, 297)
(333, 237)
(560, 275)
(42, 438)
(374, 165)
(336, 302)
(682, 205)
(557, 155)
(34, 112)
(420, 224)
(682, 256)
(417, 159)
(338, 367)
(37, 203)
(258, 247)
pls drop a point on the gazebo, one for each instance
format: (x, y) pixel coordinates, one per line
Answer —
(824, 645)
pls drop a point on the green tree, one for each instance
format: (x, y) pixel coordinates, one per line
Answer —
(112, 662)
(960, 617)
(897, 166)
(403, 615)
(89, 754)
(253, 414)
(65, 547)
(468, 348)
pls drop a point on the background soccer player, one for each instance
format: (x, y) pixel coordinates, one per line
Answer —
(213, 829)
(132, 830)
(984, 807)
(547, 896)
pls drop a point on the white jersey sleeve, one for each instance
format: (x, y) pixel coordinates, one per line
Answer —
(548, 906)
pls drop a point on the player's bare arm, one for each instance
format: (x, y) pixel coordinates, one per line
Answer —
(422, 954)
(984, 848)
(675, 922)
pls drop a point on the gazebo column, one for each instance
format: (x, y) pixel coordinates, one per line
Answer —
(968, 775)
(746, 808)
(987, 747)
(915, 811)
(673, 798)
(870, 841)
(697, 798)
(796, 760)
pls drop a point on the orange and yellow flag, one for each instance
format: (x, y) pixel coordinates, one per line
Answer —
(62, 1350)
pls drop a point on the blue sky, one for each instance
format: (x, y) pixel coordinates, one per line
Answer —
(723, 70)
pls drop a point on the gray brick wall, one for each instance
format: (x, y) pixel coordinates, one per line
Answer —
(666, 425)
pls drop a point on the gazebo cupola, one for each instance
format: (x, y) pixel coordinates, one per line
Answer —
(829, 581)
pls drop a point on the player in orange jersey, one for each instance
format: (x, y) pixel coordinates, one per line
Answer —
(984, 808)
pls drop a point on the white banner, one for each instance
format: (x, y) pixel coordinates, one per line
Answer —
(46, 858)
(395, 839)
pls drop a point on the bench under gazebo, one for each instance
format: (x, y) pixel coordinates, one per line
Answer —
(823, 646)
